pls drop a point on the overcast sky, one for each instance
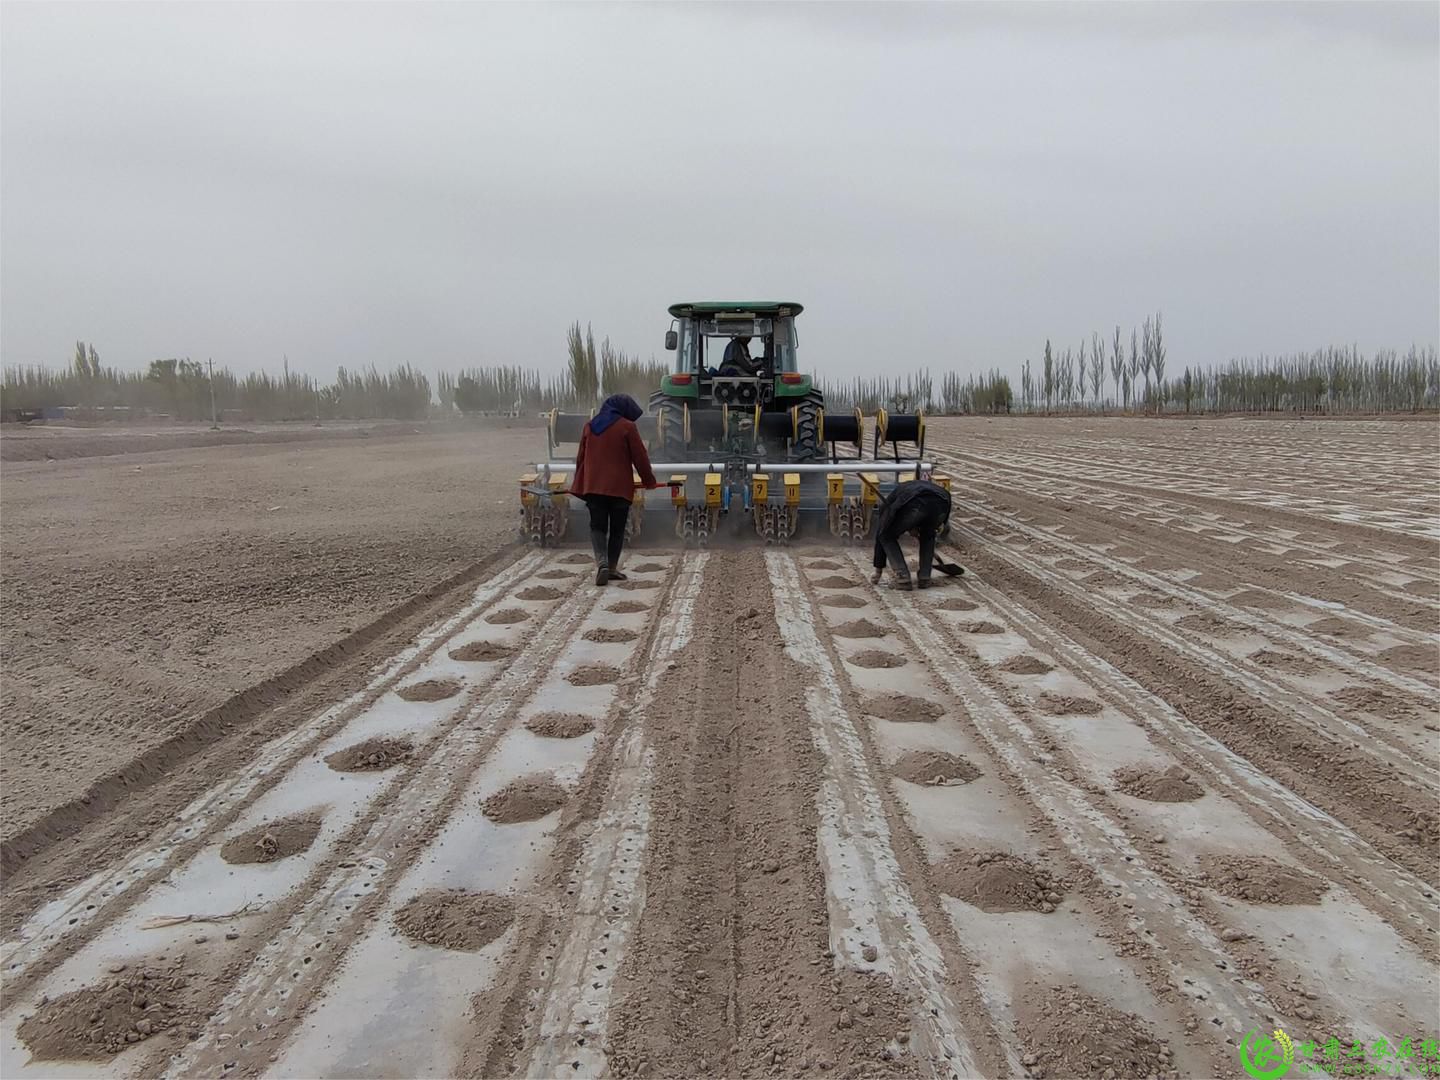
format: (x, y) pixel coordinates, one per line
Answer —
(941, 185)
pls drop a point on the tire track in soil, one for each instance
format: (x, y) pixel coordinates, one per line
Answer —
(1335, 777)
(68, 922)
(1367, 999)
(1357, 664)
(1157, 519)
(878, 920)
(571, 969)
(725, 973)
(1416, 536)
(1191, 952)
(1264, 554)
(269, 996)
(1401, 761)
(533, 863)
(154, 765)
(1314, 838)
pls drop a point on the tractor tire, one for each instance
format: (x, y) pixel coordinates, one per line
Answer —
(669, 441)
(806, 445)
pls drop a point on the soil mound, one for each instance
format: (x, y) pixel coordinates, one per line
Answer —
(1154, 600)
(593, 675)
(647, 568)
(834, 581)
(1108, 579)
(559, 725)
(482, 651)
(1337, 628)
(1279, 661)
(273, 840)
(430, 690)
(980, 628)
(372, 755)
(1042, 548)
(611, 634)
(1072, 564)
(842, 600)
(578, 558)
(955, 603)
(539, 592)
(1210, 582)
(1259, 598)
(95, 1022)
(823, 564)
(1260, 881)
(934, 767)
(875, 658)
(1069, 1033)
(635, 585)
(1419, 657)
(1025, 665)
(527, 799)
(1162, 562)
(999, 881)
(903, 709)
(627, 607)
(1065, 705)
(556, 575)
(860, 628)
(1372, 700)
(1205, 623)
(506, 616)
(455, 919)
(1170, 785)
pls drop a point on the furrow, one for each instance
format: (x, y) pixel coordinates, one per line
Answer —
(304, 953)
(867, 894)
(1397, 895)
(573, 1001)
(1319, 719)
(77, 915)
(1269, 628)
(1193, 952)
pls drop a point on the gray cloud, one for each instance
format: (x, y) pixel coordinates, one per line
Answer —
(942, 185)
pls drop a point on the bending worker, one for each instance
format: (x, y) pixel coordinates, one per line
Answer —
(917, 506)
(611, 453)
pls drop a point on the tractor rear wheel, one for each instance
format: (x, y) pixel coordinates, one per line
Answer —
(669, 442)
(806, 445)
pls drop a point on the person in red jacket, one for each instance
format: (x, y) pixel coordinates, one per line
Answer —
(611, 452)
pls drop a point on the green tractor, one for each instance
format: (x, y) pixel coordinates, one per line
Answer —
(738, 433)
(737, 387)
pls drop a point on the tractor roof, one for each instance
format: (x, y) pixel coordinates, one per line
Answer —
(711, 307)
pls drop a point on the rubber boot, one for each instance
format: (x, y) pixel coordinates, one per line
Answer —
(602, 563)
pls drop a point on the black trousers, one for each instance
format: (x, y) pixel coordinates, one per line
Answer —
(923, 517)
(608, 514)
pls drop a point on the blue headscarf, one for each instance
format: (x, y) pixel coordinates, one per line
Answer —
(615, 406)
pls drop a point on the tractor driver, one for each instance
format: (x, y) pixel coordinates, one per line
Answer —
(737, 359)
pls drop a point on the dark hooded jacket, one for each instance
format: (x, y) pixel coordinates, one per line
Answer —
(926, 492)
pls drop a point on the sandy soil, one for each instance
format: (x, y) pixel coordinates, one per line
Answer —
(1117, 797)
(142, 590)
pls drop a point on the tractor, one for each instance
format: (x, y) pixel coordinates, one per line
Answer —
(737, 426)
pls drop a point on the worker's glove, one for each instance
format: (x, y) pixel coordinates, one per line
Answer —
(875, 577)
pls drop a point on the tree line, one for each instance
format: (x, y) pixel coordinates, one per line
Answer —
(1104, 373)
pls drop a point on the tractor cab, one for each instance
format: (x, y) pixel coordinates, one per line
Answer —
(736, 353)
